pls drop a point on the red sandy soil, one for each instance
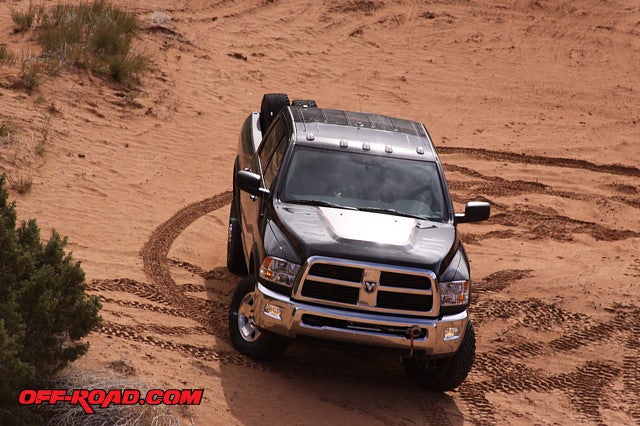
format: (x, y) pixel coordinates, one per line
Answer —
(533, 106)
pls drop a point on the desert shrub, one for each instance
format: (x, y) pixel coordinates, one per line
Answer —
(5, 54)
(52, 108)
(96, 36)
(40, 149)
(25, 20)
(21, 184)
(31, 76)
(123, 67)
(44, 311)
(6, 129)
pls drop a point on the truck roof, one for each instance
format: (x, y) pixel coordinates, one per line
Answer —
(362, 132)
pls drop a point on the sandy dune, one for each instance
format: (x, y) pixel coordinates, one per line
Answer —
(533, 106)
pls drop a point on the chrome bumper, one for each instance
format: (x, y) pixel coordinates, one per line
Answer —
(355, 327)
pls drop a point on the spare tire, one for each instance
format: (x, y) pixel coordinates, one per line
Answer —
(272, 103)
(305, 103)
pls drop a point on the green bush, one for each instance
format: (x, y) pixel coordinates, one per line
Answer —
(95, 36)
(44, 311)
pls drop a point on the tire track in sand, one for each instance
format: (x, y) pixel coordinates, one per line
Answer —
(156, 265)
(154, 252)
(170, 298)
(487, 154)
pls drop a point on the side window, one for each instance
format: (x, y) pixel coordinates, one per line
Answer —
(273, 167)
(268, 144)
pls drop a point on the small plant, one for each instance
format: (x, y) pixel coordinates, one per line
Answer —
(52, 108)
(126, 69)
(159, 18)
(25, 20)
(6, 130)
(45, 129)
(131, 97)
(21, 184)
(31, 76)
(40, 149)
(5, 54)
(54, 67)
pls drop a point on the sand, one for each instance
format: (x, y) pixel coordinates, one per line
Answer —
(532, 105)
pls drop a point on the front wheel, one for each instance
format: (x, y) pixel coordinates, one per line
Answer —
(244, 333)
(444, 374)
(235, 254)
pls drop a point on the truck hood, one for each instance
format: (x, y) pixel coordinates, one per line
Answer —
(365, 236)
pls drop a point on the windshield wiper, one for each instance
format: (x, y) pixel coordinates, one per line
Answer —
(391, 211)
(320, 203)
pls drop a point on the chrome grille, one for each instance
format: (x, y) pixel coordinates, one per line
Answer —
(405, 302)
(341, 283)
(331, 292)
(337, 272)
(394, 279)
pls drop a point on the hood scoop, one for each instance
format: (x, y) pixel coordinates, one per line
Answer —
(368, 226)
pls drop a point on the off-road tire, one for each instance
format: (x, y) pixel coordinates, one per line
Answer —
(309, 103)
(246, 338)
(235, 255)
(444, 374)
(272, 103)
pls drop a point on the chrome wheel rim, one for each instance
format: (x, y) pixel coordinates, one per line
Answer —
(246, 324)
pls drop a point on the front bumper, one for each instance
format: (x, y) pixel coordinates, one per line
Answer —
(296, 318)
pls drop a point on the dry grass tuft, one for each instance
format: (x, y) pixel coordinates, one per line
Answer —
(40, 149)
(7, 133)
(123, 366)
(25, 20)
(63, 414)
(21, 184)
(6, 55)
(6, 130)
(95, 36)
(31, 76)
(159, 18)
(53, 109)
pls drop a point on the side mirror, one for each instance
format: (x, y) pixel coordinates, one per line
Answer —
(251, 183)
(474, 211)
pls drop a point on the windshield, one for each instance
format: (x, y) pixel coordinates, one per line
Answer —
(365, 182)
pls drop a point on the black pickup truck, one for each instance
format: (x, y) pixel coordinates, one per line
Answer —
(343, 225)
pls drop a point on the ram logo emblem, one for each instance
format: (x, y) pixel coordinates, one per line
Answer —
(369, 286)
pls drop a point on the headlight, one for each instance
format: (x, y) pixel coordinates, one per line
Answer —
(454, 293)
(279, 270)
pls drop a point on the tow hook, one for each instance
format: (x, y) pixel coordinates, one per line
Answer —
(413, 332)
